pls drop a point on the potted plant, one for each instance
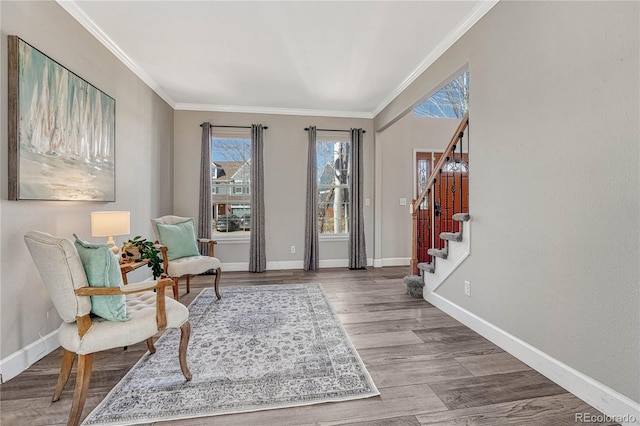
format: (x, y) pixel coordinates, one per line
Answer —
(139, 248)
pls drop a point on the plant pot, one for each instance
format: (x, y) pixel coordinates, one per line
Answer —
(131, 253)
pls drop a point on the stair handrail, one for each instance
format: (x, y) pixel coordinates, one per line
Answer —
(462, 126)
(464, 122)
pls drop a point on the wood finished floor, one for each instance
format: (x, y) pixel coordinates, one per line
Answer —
(429, 368)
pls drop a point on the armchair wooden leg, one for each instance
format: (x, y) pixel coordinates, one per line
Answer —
(150, 345)
(65, 371)
(175, 287)
(85, 364)
(217, 282)
(185, 333)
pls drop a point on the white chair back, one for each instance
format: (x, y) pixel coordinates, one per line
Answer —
(61, 269)
(167, 220)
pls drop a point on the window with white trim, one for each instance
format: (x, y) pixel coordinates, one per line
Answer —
(334, 165)
(451, 101)
(231, 184)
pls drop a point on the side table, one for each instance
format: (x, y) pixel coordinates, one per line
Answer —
(127, 267)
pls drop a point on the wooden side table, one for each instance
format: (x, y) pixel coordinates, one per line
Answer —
(127, 267)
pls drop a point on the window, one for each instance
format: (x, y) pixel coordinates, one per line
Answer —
(452, 101)
(230, 185)
(333, 185)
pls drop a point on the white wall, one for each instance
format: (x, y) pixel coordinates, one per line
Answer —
(144, 134)
(555, 180)
(285, 169)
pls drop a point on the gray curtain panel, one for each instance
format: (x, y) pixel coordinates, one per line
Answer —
(357, 249)
(205, 209)
(257, 256)
(311, 259)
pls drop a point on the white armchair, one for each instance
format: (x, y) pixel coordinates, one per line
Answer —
(82, 334)
(177, 241)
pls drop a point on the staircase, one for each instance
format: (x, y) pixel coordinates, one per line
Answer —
(440, 215)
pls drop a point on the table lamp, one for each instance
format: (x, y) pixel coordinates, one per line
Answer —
(109, 224)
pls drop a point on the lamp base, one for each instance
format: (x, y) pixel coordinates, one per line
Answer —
(114, 248)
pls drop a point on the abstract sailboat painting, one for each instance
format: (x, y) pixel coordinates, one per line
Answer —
(61, 131)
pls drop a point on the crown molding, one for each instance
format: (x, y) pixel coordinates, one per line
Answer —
(271, 110)
(474, 16)
(454, 35)
(78, 14)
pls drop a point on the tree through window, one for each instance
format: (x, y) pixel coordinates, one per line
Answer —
(452, 101)
(334, 165)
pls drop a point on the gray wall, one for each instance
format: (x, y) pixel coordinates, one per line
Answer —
(395, 174)
(144, 134)
(285, 169)
(554, 180)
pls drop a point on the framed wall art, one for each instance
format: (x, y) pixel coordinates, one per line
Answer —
(61, 131)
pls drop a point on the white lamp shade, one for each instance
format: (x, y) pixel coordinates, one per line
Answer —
(109, 224)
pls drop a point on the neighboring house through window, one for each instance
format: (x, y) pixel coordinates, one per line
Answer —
(230, 184)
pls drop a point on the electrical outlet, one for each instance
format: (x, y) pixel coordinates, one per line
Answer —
(467, 288)
(293, 249)
(403, 201)
(367, 201)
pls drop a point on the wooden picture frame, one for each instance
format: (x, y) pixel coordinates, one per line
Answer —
(61, 131)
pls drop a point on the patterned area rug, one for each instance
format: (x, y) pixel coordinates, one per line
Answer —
(257, 348)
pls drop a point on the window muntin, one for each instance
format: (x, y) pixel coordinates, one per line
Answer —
(231, 185)
(334, 165)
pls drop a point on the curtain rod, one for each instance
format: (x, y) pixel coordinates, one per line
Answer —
(332, 130)
(234, 127)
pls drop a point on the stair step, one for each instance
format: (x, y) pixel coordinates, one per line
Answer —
(441, 253)
(461, 217)
(451, 236)
(429, 267)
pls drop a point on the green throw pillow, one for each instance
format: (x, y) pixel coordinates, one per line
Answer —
(102, 269)
(180, 239)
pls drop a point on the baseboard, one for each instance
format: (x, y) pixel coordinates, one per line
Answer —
(391, 261)
(618, 407)
(283, 265)
(20, 360)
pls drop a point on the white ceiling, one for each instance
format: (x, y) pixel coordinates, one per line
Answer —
(333, 58)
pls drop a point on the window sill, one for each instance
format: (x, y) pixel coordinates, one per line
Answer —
(336, 237)
(231, 240)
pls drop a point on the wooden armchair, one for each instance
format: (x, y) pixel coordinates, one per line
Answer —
(81, 334)
(177, 240)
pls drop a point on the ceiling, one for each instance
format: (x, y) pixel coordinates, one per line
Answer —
(329, 58)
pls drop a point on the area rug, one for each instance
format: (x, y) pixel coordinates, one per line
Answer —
(257, 348)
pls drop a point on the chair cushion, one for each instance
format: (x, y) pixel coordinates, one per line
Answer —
(192, 265)
(102, 269)
(103, 334)
(180, 239)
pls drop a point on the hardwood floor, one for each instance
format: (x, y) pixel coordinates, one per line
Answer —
(429, 368)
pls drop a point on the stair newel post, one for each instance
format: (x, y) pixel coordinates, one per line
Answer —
(414, 236)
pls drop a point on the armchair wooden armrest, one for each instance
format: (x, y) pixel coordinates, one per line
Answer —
(159, 286)
(211, 243)
(165, 258)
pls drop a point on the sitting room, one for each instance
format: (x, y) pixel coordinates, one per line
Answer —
(265, 213)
